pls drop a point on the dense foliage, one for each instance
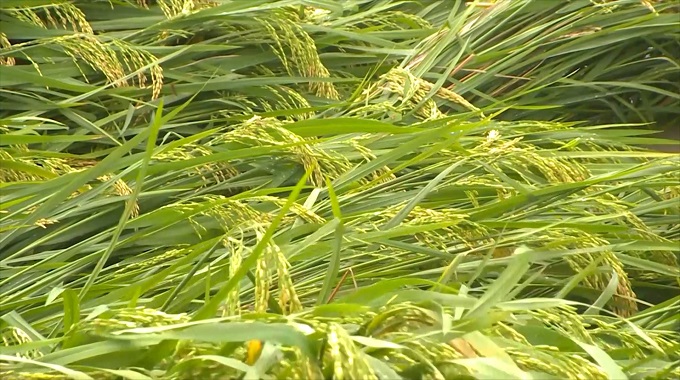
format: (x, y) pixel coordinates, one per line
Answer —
(360, 189)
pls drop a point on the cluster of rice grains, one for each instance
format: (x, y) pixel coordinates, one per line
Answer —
(297, 51)
(116, 59)
(210, 173)
(42, 168)
(322, 159)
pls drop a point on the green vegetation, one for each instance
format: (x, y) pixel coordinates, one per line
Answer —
(360, 189)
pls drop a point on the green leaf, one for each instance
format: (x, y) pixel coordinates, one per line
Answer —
(76, 375)
(519, 265)
(610, 367)
(334, 263)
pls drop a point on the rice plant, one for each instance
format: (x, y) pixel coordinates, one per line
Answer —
(362, 189)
